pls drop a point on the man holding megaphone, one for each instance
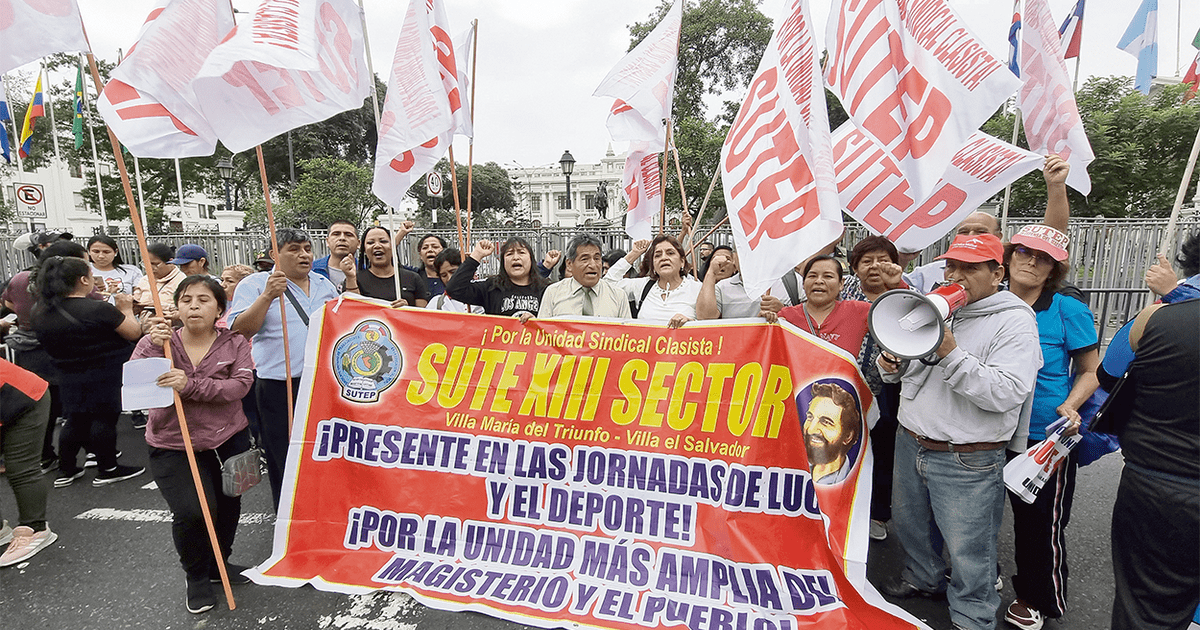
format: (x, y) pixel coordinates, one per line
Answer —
(959, 407)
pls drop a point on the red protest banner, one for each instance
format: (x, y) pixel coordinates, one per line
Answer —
(557, 472)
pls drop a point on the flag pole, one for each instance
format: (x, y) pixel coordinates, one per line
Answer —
(1168, 243)
(179, 185)
(714, 229)
(471, 140)
(699, 217)
(666, 164)
(454, 189)
(1008, 188)
(48, 102)
(137, 175)
(95, 160)
(140, 229)
(15, 144)
(678, 168)
(287, 349)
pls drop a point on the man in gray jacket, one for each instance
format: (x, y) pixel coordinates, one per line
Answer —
(956, 416)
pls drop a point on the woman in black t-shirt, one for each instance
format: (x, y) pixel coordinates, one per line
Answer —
(516, 289)
(375, 275)
(88, 341)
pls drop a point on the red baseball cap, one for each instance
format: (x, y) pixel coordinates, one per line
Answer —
(973, 249)
(1044, 239)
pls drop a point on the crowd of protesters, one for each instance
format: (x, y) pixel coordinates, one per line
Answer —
(1019, 360)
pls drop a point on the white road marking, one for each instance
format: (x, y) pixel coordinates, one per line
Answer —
(382, 610)
(160, 516)
(153, 485)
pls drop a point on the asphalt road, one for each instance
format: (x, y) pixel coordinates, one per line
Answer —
(114, 566)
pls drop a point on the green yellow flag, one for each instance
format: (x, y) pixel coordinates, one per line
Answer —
(77, 125)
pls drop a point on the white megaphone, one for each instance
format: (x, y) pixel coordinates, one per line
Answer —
(909, 325)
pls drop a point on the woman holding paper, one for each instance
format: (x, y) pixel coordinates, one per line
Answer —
(1037, 264)
(88, 341)
(213, 371)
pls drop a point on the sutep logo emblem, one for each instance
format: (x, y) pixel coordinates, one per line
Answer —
(366, 362)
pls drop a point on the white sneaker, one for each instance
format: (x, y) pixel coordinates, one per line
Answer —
(878, 530)
(25, 544)
(1022, 616)
(6, 533)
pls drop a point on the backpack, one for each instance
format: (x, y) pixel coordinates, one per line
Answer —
(635, 306)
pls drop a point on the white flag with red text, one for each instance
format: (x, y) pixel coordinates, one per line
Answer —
(875, 192)
(291, 63)
(32, 29)
(1047, 102)
(424, 103)
(149, 102)
(643, 84)
(913, 77)
(777, 161)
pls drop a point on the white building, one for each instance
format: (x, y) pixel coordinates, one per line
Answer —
(51, 198)
(541, 191)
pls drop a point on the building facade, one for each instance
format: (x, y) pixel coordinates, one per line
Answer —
(541, 192)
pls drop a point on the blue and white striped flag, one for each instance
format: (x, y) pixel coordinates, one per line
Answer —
(5, 117)
(1014, 42)
(1141, 41)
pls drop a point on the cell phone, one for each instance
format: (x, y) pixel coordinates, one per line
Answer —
(11, 318)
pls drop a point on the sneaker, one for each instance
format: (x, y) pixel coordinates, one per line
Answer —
(139, 419)
(90, 461)
(235, 574)
(878, 530)
(67, 478)
(49, 464)
(999, 583)
(200, 596)
(25, 544)
(115, 474)
(1021, 615)
(6, 533)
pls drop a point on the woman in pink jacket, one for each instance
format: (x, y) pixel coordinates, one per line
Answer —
(213, 371)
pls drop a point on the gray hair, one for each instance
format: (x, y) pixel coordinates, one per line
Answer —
(287, 236)
(582, 240)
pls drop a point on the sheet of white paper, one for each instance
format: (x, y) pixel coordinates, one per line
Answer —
(138, 388)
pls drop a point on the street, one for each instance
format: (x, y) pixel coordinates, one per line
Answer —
(114, 566)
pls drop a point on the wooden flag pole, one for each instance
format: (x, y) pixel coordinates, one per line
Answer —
(692, 244)
(140, 229)
(714, 229)
(678, 170)
(454, 188)
(287, 351)
(471, 145)
(662, 210)
(1167, 247)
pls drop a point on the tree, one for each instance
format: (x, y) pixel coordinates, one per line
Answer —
(720, 45)
(492, 199)
(331, 189)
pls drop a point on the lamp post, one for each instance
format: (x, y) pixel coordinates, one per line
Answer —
(225, 170)
(568, 165)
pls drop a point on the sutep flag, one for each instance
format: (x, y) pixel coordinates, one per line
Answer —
(288, 65)
(1050, 115)
(643, 84)
(1192, 78)
(1141, 41)
(150, 102)
(31, 29)
(36, 110)
(777, 161)
(77, 123)
(423, 105)
(462, 54)
(1071, 31)
(1014, 42)
(5, 117)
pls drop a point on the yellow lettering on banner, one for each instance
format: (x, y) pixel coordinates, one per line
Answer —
(539, 389)
(680, 415)
(744, 399)
(656, 393)
(491, 359)
(595, 387)
(718, 373)
(508, 380)
(575, 399)
(778, 389)
(458, 375)
(626, 411)
(421, 392)
(559, 396)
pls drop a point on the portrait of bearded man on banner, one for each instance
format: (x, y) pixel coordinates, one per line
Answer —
(832, 429)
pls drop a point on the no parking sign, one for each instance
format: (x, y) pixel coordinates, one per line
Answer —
(31, 201)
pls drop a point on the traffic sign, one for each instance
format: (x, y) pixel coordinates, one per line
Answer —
(31, 201)
(433, 184)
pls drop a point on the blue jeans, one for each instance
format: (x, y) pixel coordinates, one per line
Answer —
(951, 501)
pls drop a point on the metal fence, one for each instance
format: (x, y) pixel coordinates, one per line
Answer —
(1108, 256)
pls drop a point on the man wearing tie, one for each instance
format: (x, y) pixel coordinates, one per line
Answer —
(582, 292)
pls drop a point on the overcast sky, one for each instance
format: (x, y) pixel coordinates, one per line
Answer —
(540, 60)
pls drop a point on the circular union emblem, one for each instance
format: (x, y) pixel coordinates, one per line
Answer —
(366, 362)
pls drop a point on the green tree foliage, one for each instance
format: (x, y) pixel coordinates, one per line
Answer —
(329, 190)
(720, 45)
(1141, 145)
(492, 200)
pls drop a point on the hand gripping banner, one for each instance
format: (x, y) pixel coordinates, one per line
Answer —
(561, 472)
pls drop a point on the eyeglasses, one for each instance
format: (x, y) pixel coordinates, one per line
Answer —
(1042, 258)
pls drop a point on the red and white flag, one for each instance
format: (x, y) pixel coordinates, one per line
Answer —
(913, 77)
(32, 29)
(1051, 118)
(643, 84)
(462, 55)
(875, 192)
(149, 102)
(424, 103)
(291, 63)
(777, 161)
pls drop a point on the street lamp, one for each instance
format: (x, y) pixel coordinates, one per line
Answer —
(568, 165)
(225, 170)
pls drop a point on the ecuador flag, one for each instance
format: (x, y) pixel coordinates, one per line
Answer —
(36, 110)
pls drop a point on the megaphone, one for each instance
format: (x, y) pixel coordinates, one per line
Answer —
(909, 325)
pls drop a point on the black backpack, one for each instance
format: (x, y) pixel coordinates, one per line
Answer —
(635, 306)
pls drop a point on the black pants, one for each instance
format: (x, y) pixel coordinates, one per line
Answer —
(95, 431)
(273, 426)
(883, 446)
(1155, 551)
(174, 479)
(55, 412)
(1039, 530)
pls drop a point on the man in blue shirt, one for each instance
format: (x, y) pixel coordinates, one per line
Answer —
(255, 313)
(342, 242)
